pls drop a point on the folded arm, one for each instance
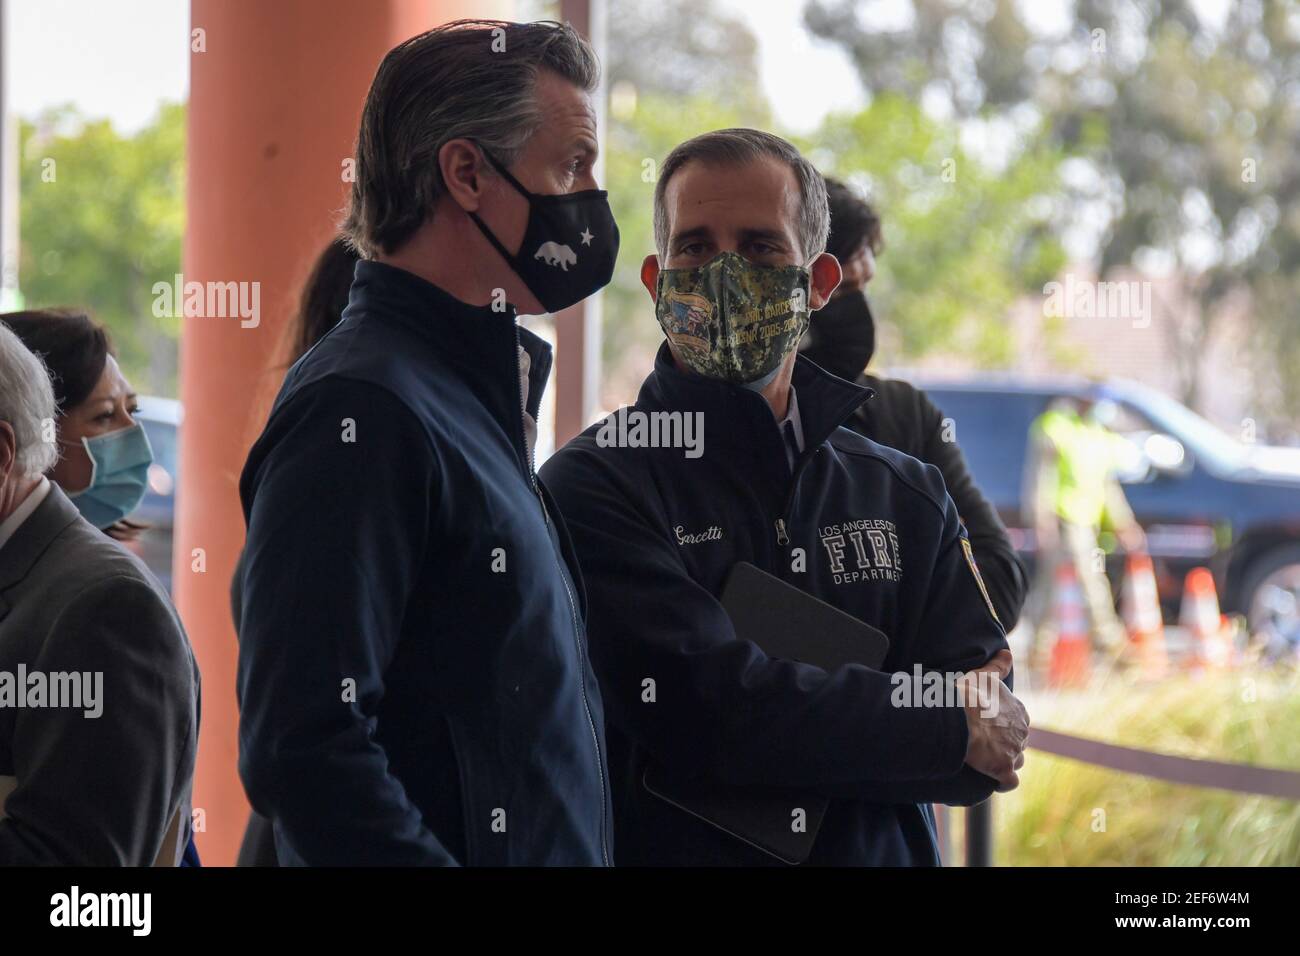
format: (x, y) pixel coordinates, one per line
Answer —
(679, 682)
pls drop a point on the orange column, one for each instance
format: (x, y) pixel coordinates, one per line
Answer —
(578, 328)
(276, 91)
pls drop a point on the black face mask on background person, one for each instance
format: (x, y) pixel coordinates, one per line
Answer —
(569, 247)
(842, 335)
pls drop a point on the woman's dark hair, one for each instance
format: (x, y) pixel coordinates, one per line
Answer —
(324, 297)
(854, 223)
(74, 346)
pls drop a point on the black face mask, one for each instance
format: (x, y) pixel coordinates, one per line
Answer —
(842, 336)
(569, 245)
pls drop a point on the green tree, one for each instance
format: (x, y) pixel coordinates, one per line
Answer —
(964, 238)
(102, 218)
(958, 256)
(1190, 129)
(685, 49)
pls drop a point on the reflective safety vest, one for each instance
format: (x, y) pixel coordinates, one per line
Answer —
(1086, 455)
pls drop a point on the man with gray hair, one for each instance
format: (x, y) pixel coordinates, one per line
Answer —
(715, 747)
(413, 676)
(99, 706)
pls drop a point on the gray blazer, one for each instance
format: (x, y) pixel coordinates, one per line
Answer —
(104, 790)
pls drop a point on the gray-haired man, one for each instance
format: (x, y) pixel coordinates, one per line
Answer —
(99, 690)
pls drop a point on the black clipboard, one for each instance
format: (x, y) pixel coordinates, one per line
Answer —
(788, 623)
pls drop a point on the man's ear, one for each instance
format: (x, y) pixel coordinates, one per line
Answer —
(463, 167)
(826, 275)
(8, 450)
(650, 275)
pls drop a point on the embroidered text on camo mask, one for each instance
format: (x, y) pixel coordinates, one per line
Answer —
(732, 320)
(569, 246)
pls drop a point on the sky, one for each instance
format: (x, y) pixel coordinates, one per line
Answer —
(111, 58)
(119, 58)
(804, 78)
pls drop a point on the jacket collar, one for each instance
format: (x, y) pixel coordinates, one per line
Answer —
(34, 537)
(477, 339)
(734, 414)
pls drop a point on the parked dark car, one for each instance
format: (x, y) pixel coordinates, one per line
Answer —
(1204, 498)
(161, 418)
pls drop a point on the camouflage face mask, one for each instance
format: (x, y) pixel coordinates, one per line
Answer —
(732, 320)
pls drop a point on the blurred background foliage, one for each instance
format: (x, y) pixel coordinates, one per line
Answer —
(986, 139)
(1067, 813)
(960, 250)
(102, 218)
(964, 238)
(1181, 134)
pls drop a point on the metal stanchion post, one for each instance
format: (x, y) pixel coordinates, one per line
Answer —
(979, 834)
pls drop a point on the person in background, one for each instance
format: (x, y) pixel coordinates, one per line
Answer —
(99, 771)
(324, 297)
(105, 459)
(1072, 491)
(842, 339)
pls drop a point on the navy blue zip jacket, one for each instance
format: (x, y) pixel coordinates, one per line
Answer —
(413, 679)
(859, 525)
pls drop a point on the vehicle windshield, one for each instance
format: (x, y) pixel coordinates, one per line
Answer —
(1206, 441)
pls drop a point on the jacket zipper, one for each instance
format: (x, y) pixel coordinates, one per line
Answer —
(782, 538)
(573, 612)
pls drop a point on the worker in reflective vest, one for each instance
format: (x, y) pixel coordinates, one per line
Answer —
(1072, 493)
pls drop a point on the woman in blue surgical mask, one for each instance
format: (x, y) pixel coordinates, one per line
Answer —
(104, 456)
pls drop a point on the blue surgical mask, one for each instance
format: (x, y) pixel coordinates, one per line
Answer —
(119, 475)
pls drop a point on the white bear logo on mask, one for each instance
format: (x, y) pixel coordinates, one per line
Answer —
(553, 254)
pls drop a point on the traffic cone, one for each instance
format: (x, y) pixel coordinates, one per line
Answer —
(1071, 657)
(1211, 641)
(1140, 608)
